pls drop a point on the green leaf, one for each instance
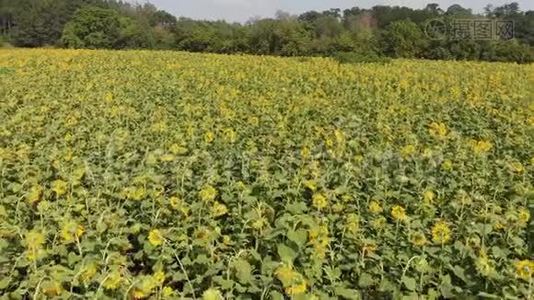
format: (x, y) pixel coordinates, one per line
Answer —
(223, 283)
(286, 253)
(3, 245)
(243, 271)
(422, 266)
(460, 273)
(409, 283)
(446, 287)
(298, 237)
(73, 258)
(387, 286)
(365, 280)
(296, 208)
(268, 266)
(202, 260)
(432, 294)
(276, 296)
(347, 293)
(250, 199)
(4, 283)
(332, 272)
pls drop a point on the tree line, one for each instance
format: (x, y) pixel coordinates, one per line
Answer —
(351, 34)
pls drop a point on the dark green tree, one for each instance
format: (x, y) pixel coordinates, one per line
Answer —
(95, 27)
(458, 11)
(286, 37)
(39, 22)
(403, 39)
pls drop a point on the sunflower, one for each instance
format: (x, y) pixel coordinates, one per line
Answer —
(212, 294)
(438, 130)
(35, 241)
(88, 272)
(34, 195)
(113, 280)
(71, 231)
(298, 286)
(294, 283)
(352, 223)
(523, 216)
(408, 151)
(155, 237)
(52, 288)
(429, 196)
(374, 207)
(208, 193)
(481, 147)
(319, 201)
(418, 239)
(524, 269)
(218, 209)
(59, 187)
(441, 233)
(399, 213)
(209, 137)
(284, 273)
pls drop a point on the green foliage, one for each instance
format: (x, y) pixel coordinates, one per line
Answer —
(513, 51)
(286, 37)
(135, 35)
(392, 31)
(94, 27)
(403, 39)
(4, 42)
(204, 36)
(39, 23)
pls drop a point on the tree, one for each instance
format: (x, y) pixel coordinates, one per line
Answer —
(279, 37)
(94, 27)
(403, 39)
(513, 50)
(326, 32)
(309, 17)
(434, 8)
(506, 10)
(328, 26)
(458, 11)
(7, 17)
(465, 49)
(360, 33)
(385, 15)
(135, 34)
(524, 28)
(39, 22)
(163, 38)
(163, 19)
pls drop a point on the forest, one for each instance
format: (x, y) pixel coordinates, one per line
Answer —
(351, 34)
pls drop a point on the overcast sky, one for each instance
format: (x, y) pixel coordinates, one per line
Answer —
(243, 10)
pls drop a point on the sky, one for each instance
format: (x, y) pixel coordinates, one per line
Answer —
(244, 10)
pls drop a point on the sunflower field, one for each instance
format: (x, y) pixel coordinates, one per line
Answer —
(168, 175)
